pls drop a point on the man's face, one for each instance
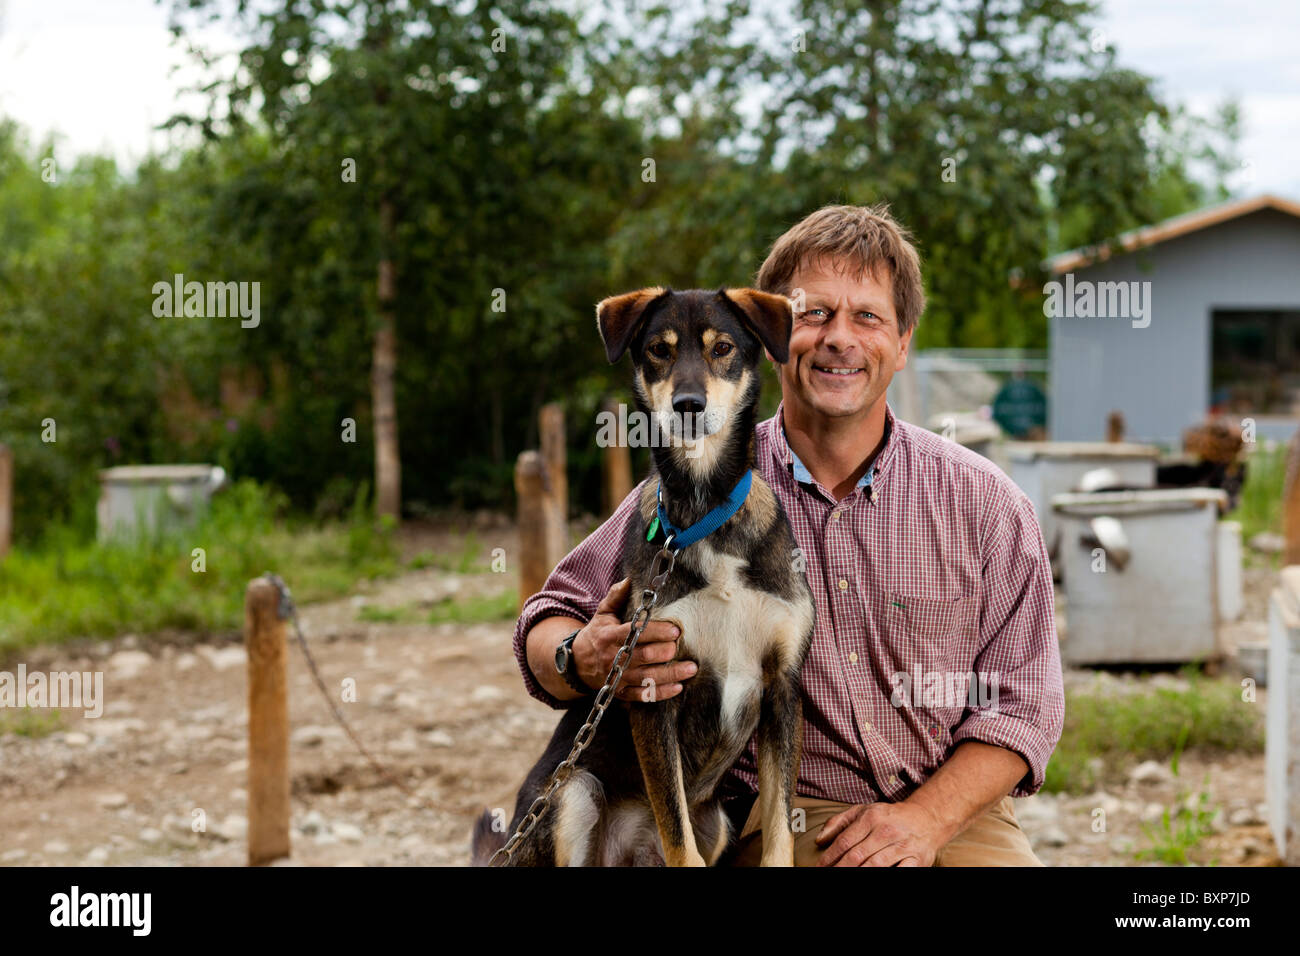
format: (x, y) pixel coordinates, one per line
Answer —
(845, 346)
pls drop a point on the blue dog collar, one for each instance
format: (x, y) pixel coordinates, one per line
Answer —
(679, 538)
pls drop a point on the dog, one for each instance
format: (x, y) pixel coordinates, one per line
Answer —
(644, 792)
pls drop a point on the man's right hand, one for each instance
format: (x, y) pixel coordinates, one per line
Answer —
(652, 674)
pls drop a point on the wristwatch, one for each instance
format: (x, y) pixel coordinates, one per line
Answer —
(567, 666)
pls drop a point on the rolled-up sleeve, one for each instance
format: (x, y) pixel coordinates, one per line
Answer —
(1018, 633)
(575, 588)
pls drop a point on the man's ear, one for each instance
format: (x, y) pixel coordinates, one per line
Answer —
(768, 316)
(619, 317)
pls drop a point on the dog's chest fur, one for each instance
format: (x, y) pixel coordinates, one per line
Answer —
(733, 629)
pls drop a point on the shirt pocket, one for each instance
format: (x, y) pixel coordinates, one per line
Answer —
(927, 635)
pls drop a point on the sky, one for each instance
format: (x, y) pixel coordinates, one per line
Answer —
(99, 73)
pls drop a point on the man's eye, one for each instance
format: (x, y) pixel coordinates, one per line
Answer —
(814, 315)
(659, 350)
(721, 349)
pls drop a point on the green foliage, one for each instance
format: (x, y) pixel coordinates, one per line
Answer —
(518, 179)
(30, 721)
(1260, 507)
(1106, 731)
(476, 610)
(68, 586)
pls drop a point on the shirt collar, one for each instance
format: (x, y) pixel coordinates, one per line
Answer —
(786, 457)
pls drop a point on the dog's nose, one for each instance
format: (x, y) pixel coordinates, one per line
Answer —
(688, 403)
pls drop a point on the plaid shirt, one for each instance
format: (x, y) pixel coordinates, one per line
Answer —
(933, 566)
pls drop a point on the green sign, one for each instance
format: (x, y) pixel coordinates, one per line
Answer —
(1019, 406)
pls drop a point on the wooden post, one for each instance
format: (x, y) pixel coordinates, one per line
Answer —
(6, 499)
(615, 468)
(551, 427)
(530, 487)
(268, 724)
(1115, 427)
(1291, 503)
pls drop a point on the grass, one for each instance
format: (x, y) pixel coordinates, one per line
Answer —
(68, 587)
(29, 722)
(1105, 732)
(1179, 831)
(476, 610)
(1184, 828)
(1260, 506)
(467, 561)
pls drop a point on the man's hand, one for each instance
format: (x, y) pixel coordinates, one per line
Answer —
(652, 674)
(882, 834)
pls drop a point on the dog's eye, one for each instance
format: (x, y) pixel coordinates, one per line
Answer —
(721, 349)
(659, 350)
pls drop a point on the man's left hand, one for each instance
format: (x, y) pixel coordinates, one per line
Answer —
(881, 834)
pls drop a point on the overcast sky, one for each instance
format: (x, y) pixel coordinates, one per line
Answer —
(99, 72)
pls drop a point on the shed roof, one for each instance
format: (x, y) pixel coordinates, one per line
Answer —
(1172, 229)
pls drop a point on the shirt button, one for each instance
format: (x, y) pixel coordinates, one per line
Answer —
(835, 516)
(853, 657)
(893, 781)
(866, 727)
(844, 585)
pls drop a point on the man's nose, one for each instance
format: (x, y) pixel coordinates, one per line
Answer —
(837, 333)
(688, 403)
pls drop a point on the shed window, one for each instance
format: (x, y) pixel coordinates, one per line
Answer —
(1256, 361)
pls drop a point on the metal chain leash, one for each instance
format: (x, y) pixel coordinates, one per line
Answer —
(288, 611)
(661, 568)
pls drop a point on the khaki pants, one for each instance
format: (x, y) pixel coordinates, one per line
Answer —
(993, 839)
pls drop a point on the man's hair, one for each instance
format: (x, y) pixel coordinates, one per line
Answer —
(860, 239)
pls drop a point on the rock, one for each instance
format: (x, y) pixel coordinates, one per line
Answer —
(1040, 808)
(98, 856)
(112, 801)
(1153, 812)
(348, 832)
(224, 658)
(1245, 817)
(116, 727)
(1249, 848)
(233, 827)
(1150, 772)
(76, 738)
(56, 847)
(186, 661)
(403, 745)
(383, 695)
(129, 664)
(1110, 805)
(439, 738)
(237, 766)
(486, 693)
(11, 856)
(1268, 542)
(312, 736)
(1053, 836)
(150, 835)
(311, 823)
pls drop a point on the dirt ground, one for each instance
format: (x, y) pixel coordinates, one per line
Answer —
(160, 778)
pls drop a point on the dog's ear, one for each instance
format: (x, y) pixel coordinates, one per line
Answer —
(619, 317)
(770, 317)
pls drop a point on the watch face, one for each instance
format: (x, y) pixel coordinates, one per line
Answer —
(562, 658)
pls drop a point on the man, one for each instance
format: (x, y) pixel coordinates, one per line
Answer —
(926, 564)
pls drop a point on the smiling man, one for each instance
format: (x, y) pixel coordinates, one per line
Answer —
(932, 690)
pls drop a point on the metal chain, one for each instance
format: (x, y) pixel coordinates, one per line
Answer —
(660, 568)
(288, 611)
